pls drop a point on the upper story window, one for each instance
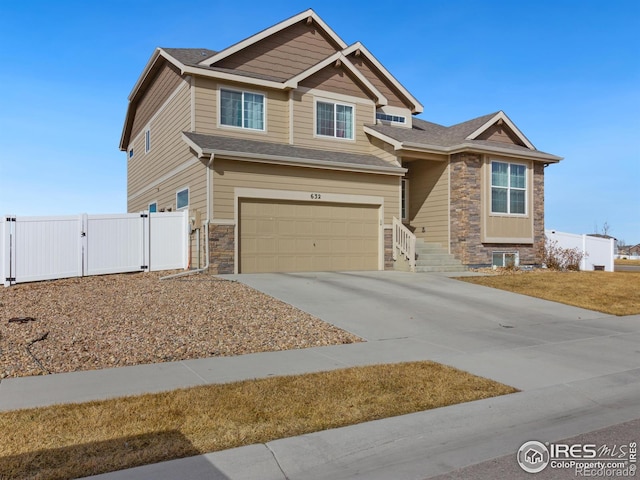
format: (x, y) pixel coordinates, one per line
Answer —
(131, 153)
(334, 120)
(242, 109)
(147, 140)
(385, 117)
(182, 198)
(153, 207)
(508, 188)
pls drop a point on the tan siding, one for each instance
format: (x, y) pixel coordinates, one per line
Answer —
(380, 82)
(429, 200)
(206, 113)
(497, 227)
(284, 54)
(383, 150)
(502, 134)
(229, 175)
(166, 81)
(304, 124)
(168, 150)
(164, 194)
(334, 79)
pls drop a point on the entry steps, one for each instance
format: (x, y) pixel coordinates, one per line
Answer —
(433, 257)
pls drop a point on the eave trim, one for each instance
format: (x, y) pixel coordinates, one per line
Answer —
(338, 57)
(417, 106)
(502, 116)
(272, 30)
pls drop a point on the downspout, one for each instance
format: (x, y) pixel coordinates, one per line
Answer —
(206, 232)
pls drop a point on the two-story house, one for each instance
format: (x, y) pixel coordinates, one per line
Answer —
(294, 151)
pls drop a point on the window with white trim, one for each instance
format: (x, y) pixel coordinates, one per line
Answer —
(404, 200)
(241, 109)
(334, 120)
(385, 117)
(508, 188)
(131, 153)
(505, 259)
(182, 198)
(147, 140)
(153, 207)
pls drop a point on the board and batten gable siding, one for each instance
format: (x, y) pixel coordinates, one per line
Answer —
(429, 200)
(206, 117)
(284, 54)
(379, 81)
(334, 79)
(229, 175)
(166, 81)
(497, 133)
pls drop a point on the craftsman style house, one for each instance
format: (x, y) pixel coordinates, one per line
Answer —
(294, 151)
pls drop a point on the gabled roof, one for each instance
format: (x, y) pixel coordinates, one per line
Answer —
(338, 57)
(501, 118)
(285, 154)
(202, 62)
(431, 137)
(417, 106)
(190, 56)
(309, 15)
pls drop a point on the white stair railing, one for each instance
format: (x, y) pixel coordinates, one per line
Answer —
(404, 241)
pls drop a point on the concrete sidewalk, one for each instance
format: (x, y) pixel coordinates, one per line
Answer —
(578, 370)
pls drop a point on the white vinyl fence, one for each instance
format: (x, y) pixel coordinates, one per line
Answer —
(598, 252)
(45, 248)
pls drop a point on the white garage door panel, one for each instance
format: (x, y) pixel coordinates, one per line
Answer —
(287, 236)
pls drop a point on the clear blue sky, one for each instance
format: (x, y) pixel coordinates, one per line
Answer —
(566, 72)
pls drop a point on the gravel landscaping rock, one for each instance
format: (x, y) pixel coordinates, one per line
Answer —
(129, 319)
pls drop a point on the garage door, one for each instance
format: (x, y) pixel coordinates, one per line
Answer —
(288, 236)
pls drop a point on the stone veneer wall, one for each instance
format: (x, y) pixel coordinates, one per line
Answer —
(466, 214)
(221, 248)
(388, 249)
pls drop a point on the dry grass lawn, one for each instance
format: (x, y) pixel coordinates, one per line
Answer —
(626, 262)
(615, 293)
(85, 439)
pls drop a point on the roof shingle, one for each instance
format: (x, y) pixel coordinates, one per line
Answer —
(218, 143)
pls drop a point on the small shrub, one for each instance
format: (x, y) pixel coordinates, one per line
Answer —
(561, 259)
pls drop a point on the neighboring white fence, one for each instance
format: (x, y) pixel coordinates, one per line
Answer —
(598, 252)
(45, 248)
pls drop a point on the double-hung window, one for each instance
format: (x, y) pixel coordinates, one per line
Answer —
(508, 188)
(242, 109)
(334, 120)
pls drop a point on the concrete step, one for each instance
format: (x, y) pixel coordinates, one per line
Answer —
(433, 257)
(441, 268)
(436, 259)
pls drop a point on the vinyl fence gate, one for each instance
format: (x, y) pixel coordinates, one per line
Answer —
(46, 248)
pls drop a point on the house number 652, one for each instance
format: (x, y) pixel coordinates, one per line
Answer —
(315, 196)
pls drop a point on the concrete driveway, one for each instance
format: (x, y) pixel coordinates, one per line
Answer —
(519, 340)
(579, 372)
